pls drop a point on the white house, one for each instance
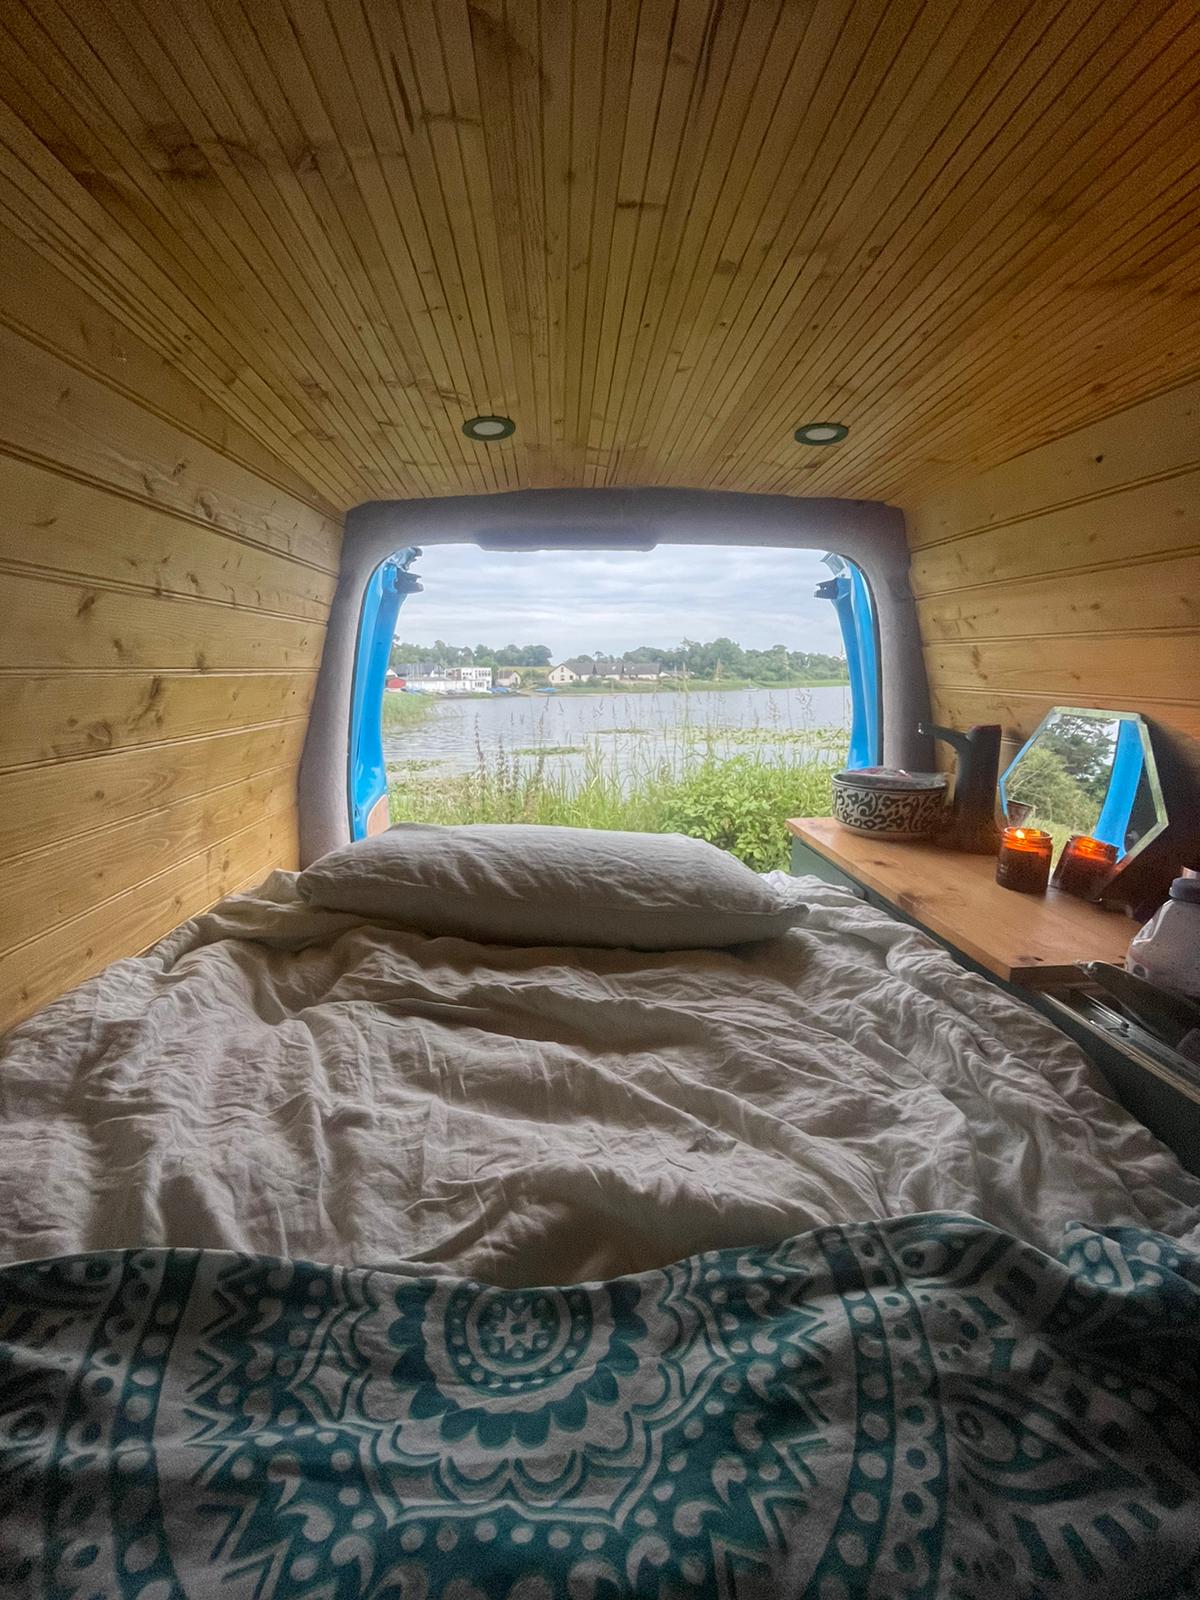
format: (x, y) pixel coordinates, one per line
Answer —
(451, 680)
(506, 678)
(578, 670)
(472, 679)
(583, 669)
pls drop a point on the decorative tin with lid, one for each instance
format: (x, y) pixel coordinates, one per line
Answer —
(889, 802)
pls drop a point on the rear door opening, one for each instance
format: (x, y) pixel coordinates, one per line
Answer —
(717, 739)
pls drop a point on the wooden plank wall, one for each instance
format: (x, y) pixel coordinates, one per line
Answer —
(164, 584)
(1070, 575)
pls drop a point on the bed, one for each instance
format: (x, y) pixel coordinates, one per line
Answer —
(346, 1260)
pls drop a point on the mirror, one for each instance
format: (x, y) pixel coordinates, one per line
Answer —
(1087, 771)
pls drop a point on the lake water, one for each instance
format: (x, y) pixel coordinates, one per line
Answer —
(628, 728)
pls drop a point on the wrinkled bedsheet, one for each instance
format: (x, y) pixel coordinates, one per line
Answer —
(273, 1079)
(923, 1407)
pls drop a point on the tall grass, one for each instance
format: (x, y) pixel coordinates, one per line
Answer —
(405, 710)
(664, 781)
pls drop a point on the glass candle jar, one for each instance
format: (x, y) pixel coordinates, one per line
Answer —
(1024, 860)
(1084, 865)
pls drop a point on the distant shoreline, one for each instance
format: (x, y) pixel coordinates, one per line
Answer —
(690, 686)
(575, 691)
(404, 709)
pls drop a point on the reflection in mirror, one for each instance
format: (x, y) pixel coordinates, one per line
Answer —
(1087, 771)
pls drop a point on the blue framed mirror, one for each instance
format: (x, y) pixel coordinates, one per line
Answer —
(1087, 770)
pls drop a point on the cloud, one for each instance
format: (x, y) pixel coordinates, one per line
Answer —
(616, 600)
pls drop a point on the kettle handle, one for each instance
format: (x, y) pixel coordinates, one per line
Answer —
(952, 736)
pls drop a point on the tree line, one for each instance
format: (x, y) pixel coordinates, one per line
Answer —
(725, 658)
(466, 655)
(718, 658)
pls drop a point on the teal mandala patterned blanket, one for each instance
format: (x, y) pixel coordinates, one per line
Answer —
(921, 1407)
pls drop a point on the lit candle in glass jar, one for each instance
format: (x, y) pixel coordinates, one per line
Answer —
(1084, 865)
(1024, 860)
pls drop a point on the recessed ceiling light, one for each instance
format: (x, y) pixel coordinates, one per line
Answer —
(489, 429)
(821, 433)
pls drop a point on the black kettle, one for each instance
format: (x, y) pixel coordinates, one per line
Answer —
(971, 825)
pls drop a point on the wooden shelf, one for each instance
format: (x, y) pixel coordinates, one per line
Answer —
(1030, 940)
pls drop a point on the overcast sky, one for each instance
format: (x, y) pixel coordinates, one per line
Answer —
(585, 601)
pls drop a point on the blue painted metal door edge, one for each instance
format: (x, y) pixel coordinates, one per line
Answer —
(366, 774)
(851, 598)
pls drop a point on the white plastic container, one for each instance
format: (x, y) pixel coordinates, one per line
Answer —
(1167, 950)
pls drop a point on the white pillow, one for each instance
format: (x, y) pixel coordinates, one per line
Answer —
(514, 883)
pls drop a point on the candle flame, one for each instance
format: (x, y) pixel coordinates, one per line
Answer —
(1030, 838)
(1090, 849)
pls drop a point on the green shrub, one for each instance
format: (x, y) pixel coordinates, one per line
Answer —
(742, 804)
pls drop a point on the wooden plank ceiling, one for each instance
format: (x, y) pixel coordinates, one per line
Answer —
(659, 234)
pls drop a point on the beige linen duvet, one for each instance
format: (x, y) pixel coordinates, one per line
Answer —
(288, 1081)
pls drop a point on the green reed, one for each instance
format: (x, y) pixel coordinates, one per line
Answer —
(402, 711)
